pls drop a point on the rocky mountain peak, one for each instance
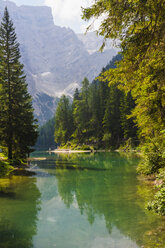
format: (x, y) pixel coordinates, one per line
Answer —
(55, 59)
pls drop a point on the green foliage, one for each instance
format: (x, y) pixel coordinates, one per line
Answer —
(17, 124)
(99, 115)
(131, 21)
(158, 204)
(5, 168)
(112, 118)
(106, 139)
(126, 106)
(153, 156)
(139, 25)
(63, 121)
(81, 113)
(128, 145)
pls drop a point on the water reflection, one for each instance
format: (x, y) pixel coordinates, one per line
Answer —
(77, 201)
(100, 189)
(19, 205)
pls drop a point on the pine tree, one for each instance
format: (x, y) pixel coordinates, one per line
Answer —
(127, 104)
(111, 121)
(81, 113)
(76, 95)
(17, 125)
(63, 121)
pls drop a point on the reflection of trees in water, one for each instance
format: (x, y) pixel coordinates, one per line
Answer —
(91, 161)
(18, 211)
(145, 191)
(110, 193)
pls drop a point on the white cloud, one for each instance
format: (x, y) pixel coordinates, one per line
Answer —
(68, 12)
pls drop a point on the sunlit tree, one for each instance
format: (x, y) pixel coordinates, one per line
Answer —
(17, 124)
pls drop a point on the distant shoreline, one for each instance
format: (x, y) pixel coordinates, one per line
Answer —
(76, 151)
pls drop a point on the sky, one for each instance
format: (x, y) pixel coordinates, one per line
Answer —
(66, 13)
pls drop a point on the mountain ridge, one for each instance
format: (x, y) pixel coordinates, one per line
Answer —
(55, 59)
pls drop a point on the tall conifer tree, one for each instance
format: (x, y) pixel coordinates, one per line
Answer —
(17, 125)
(63, 121)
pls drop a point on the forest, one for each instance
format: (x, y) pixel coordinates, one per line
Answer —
(97, 116)
(124, 106)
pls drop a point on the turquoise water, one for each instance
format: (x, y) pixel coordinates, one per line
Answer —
(77, 201)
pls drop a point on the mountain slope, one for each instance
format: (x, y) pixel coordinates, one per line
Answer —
(55, 59)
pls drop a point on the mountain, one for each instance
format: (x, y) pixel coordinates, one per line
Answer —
(55, 59)
(93, 42)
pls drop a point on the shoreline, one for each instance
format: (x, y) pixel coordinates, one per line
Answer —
(92, 151)
(69, 151)
(77, 151)
(35, 158)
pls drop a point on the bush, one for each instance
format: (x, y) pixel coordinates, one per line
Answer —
(153, 159)
(128, 145)
(86, 147)
(5, 168)
(158, 204)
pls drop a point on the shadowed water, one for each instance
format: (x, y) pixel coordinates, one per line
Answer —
(77, 201)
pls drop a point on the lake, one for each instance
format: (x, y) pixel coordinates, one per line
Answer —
(76, 200)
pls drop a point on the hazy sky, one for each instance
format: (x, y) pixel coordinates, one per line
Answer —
(65, 12)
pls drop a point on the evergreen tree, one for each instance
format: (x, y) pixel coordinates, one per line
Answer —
(128, 125)
(99, 114)
(81, 113)
(85, 90)
(76, 95)
(95, 113)
(111, 121)
(17, 125)
(63, 121)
